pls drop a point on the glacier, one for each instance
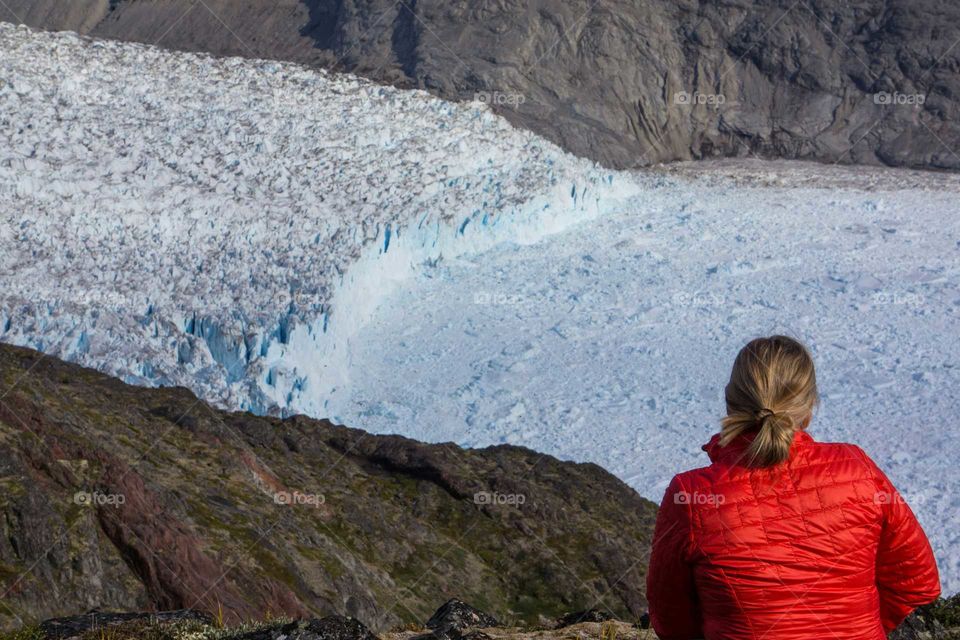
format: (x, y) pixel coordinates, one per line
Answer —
(284, 240)
(226, 224)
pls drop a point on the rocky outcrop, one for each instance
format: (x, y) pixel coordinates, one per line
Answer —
(70, 627)
(456, 614)
(627, 84)
(124, 498)
(939, 620)
(457, 620)
(329, 628)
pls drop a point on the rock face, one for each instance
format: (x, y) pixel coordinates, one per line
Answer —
(115, 497)
(624, 83)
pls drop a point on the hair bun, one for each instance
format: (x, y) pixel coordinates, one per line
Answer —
(769, 419)
(763, 414)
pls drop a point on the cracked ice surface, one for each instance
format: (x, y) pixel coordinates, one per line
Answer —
(178, 219)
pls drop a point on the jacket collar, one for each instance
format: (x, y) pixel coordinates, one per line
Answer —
(735, 448)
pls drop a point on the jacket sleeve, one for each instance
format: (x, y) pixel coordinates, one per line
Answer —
(674, 608)
(907, 575)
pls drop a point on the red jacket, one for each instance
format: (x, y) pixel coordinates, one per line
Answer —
(821, 546)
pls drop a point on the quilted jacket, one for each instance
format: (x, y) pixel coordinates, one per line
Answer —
(820, 546)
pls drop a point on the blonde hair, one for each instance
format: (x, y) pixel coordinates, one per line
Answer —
(772, 390)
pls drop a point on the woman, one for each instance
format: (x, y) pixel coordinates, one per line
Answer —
(782, 537)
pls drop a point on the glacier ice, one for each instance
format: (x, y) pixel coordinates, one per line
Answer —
(227, 224)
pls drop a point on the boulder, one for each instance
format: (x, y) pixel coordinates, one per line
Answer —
(457, 620)
(456, 614)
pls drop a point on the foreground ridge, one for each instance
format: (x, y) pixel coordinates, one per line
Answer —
(123, 498)
(455, 620)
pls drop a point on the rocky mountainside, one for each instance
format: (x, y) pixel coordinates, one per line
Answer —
(124, 498)
(624, 83)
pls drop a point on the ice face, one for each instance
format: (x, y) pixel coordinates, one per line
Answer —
(228, 224)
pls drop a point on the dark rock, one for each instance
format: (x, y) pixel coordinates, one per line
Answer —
(916, 627)
(72, 626)
(939, 620)
(456, 614)
(457, 620)
(590, 615)
(328, 628)
(644, 622)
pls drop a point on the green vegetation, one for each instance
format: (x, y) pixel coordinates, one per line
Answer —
(27, 633)
(946, 611)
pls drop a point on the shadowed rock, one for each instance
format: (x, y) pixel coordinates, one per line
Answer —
(73, 626)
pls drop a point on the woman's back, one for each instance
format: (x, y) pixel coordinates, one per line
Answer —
(819, 544)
